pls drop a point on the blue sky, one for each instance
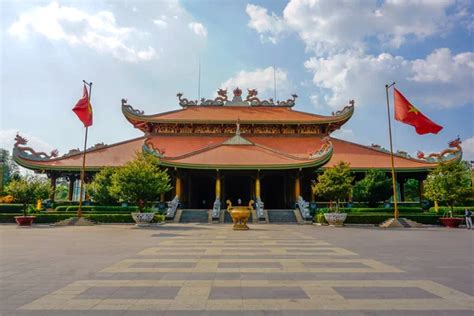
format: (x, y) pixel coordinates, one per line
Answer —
(327, 52)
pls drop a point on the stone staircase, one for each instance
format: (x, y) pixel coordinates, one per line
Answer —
(194, 216)
(281, 216)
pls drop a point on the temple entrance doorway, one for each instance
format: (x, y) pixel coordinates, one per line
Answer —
(273, 191)
(202, 191)
(237, 187)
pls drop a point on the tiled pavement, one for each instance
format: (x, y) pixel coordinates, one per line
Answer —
(212, 270)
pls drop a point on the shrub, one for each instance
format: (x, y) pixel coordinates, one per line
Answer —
(96, 209)
(158, 218)
(383, 210)
(335, 183)
(11, 208)
(449, 183)
(40, 218)
(375, 187)
(110, 218)
(99, 189)
(28, 190)
(140, 181)
(371, 218)
(456, 210)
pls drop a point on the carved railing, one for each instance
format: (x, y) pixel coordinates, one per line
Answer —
(172, 207)
(259, 208)
(216, 209)
(303, 207)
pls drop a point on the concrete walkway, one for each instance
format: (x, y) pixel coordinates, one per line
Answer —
(193, 269)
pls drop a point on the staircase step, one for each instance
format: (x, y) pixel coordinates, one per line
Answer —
(281, 216)
(194, 216)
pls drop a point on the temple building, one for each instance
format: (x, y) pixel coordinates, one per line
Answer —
(238, 150)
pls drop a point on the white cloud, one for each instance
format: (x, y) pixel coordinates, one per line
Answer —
(198, 29)
(99, 31)
(270, 27)
(440, 65)
(468, 149)
(328, 26)
(161, 24)
(262, 80)
(441, 80)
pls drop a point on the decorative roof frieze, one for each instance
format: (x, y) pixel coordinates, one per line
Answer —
(223, 100)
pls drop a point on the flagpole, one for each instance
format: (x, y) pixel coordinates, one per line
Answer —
(394, 185)
(79, 210)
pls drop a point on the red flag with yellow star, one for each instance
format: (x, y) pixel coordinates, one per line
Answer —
(83, 109)
(406, 113)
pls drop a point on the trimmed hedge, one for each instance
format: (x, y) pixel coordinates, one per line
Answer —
(47, 218)
(378, 218)
(96, 209)
(11, 208)
(40, 218)
(110, 218)
(370, 218)
(457, 209)
(402, 209)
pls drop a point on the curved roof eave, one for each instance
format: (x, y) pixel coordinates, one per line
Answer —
(132, 114)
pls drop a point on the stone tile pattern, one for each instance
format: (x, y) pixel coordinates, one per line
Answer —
(257, 270)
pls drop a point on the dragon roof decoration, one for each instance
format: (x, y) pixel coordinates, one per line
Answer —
(20, 149)
(454, 152)
(223, 99)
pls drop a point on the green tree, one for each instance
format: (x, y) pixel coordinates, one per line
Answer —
(62, 190)
(412, 191)
(99, 189)
(335, 183)
(375, 187)
(28, 190)
(140, 181)
(8, 169)
(449, 183)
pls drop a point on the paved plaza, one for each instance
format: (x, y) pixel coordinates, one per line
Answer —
(193, 269)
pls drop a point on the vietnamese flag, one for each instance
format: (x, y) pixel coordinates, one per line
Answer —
(406, 113)
(83, 109)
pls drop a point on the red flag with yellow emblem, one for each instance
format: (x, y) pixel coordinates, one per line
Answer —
(406, 113)
(83, 109)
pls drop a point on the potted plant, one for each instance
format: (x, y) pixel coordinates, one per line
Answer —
(449, 183)
(28, 191)
(335, 184)
(140, 181)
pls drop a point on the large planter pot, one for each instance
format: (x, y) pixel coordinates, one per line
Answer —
(452, 222)
(335, 219)
(142, 219)
(24, 220)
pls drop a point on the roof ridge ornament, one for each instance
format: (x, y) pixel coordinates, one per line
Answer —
(127, 107)
(222, 99)
(445, 155)
(30, 153)
(346, 109)
(326, 146)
